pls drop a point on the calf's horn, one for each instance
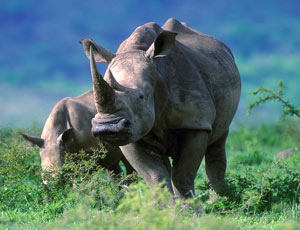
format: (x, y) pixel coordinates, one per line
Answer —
(103, 93)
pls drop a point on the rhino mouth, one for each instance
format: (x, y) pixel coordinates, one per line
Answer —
(116, 132)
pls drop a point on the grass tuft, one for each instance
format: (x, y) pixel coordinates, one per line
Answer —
(261, 192)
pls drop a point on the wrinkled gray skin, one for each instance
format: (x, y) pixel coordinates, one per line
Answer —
(169, 91)
(68, 129)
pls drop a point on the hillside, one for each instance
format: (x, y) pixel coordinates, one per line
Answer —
(41, 60)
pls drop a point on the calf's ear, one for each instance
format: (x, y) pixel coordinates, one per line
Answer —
(65, 136)
(162, 45)
(101, 54)
(33, 141)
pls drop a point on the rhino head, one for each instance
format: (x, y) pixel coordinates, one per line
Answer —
(52, 150)
(126, 97)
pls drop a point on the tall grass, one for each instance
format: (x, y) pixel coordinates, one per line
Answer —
(261, 192)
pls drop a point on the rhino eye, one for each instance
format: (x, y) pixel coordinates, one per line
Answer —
(141, 96)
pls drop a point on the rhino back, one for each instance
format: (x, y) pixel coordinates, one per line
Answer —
(141, 38)
(88, 100)
(78, 112)
(81, 110)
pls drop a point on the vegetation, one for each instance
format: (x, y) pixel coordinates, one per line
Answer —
(42, 60)
(262, 192)
(266, 95)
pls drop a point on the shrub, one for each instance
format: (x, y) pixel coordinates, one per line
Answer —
(266, 95)
(256, 185)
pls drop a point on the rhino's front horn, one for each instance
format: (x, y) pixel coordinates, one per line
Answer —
(104, 95)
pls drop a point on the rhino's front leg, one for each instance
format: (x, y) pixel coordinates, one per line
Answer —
(192, 147)
(151, 170)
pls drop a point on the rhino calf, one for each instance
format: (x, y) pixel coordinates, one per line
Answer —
(68, 129)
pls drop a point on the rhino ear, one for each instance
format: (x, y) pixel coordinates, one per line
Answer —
(162, 45)
(34, 141)
(101, 54)
(65, 136)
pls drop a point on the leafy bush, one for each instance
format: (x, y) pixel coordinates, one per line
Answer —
(22, 190)
(141, 208)
(259, 189)
(270, 95)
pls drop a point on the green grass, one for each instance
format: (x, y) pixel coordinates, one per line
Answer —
(261, 193)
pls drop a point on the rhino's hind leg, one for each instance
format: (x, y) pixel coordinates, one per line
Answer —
(215, 164)
(192, 147)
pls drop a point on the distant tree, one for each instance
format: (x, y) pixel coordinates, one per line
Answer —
(265, 95)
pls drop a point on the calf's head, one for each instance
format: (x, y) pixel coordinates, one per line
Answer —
(52, 151)
(125, 98)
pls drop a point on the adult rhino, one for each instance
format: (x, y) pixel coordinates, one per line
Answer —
(68, 129)
(168, 91)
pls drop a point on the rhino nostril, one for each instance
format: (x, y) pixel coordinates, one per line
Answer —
(126, 123)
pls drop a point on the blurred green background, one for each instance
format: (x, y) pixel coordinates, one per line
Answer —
(42, 62)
